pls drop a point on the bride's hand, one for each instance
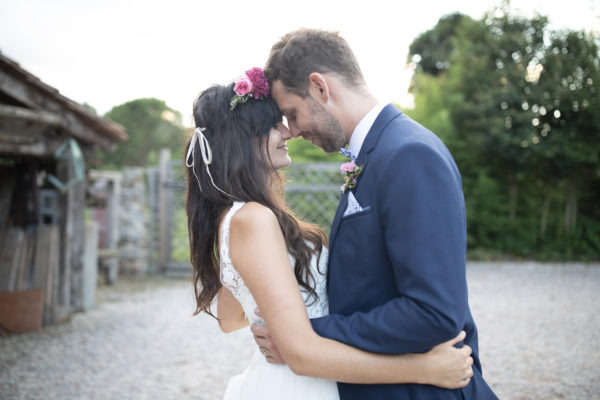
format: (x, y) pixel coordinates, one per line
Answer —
(449, 367)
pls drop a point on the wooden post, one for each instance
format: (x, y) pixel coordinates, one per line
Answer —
(170, 211)
(26, 260)
(65, 173)
(46, 270)
(53, 284)
(164, 157)
(112, 226)
(110, 256)
(153, 234)
(90, 266)
(77, 210)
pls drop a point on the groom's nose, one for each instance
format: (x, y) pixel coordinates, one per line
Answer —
(293, 129)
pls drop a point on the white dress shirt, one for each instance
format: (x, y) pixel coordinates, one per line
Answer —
(363, 127)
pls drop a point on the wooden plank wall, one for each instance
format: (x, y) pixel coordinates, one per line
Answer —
(7, 185)
(12, 240)
(45, 257)
(29, 259)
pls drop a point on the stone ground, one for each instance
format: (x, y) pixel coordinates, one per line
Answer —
(539, 339)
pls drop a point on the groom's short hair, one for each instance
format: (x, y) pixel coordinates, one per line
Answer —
(304, 51)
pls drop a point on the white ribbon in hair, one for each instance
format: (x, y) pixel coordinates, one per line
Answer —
(198, 136)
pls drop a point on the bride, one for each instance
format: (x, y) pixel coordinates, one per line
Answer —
(249, 251)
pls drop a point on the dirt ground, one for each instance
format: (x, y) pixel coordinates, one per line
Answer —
(539, 330)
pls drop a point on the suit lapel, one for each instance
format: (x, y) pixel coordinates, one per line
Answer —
(388, 113)
(335, 225)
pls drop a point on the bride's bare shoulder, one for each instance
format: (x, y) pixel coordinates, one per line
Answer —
(253, 216)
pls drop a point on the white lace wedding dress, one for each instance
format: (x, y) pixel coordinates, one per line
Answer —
(262, 380)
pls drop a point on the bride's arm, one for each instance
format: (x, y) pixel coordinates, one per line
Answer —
(230, 312)
(259, 254)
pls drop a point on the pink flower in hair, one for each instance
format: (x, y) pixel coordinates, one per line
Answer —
(243, 86)
(259, 80)
(254, 85)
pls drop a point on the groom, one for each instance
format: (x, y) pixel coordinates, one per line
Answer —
(397, 279)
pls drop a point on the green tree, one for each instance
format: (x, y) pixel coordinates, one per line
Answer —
(432, 50)
(490, 71)
(518, 106)
(151, 126)
(567, 118)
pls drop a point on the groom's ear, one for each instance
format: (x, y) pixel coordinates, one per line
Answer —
(318, 87)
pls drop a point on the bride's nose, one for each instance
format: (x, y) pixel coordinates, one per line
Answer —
(285, 132)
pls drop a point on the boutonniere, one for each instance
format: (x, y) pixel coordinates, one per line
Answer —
(351, 172)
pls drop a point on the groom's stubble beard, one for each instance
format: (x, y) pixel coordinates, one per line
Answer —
(326, 128)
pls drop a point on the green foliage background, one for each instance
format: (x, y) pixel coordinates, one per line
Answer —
(151, 126)
(518, 105)
(302, 151)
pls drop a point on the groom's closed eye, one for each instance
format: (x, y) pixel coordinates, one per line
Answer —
(288, 115)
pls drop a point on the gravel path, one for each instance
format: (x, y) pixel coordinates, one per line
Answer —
(539, 339)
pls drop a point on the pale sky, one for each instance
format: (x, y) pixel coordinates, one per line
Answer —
(107, 52)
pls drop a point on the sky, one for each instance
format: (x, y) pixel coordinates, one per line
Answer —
(108, 52)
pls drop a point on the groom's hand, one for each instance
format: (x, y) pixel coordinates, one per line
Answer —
(262, 337)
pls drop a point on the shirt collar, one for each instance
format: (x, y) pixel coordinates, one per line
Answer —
(363, 128)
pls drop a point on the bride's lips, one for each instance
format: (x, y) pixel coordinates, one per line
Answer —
(283, 146)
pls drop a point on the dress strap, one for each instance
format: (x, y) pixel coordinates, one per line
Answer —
(224, 234)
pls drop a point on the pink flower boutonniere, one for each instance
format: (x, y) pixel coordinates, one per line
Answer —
(352, 172)
(252, 84)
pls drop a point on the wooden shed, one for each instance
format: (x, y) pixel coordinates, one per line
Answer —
(47, 143)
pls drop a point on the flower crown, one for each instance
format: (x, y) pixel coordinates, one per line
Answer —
(253, 84)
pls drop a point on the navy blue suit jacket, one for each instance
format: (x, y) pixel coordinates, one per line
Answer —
(397, 278)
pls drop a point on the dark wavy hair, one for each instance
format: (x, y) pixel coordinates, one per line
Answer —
(242, 169)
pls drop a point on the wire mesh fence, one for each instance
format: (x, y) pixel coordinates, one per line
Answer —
(312, 192)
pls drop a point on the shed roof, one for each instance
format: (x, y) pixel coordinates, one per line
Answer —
(24, 97)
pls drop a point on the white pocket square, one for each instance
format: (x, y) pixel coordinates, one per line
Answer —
(353, 206)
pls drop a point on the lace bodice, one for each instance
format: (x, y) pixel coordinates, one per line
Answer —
(232, 280)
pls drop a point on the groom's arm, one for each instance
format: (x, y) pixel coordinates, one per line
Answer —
(422, 212)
